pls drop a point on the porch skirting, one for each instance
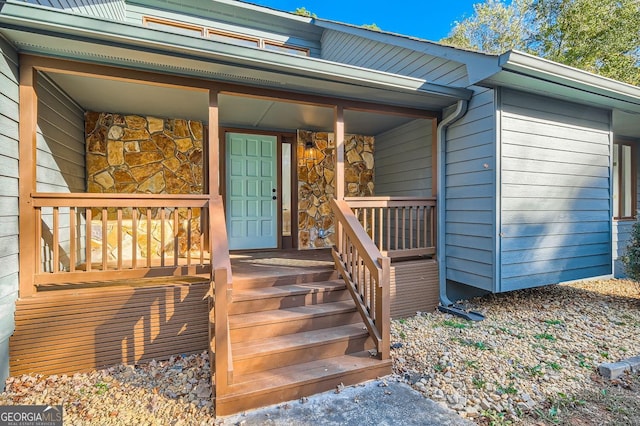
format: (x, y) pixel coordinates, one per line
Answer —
(414, 287)
(94, 325)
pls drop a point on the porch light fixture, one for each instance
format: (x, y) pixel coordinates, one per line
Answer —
(309, 152)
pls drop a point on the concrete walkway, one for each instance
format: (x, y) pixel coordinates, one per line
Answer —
(378, 402)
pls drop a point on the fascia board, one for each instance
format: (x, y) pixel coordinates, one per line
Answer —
(44, 20)
(529, 65)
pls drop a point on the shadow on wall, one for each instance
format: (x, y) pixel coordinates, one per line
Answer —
(153, 322)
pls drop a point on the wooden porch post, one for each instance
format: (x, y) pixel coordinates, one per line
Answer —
(28, 115)
(338, 130)
(214, 143)
(434, 157)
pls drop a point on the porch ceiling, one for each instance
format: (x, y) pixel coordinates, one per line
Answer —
(104, 95)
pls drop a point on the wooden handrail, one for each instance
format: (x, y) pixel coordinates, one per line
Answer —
(366, 273)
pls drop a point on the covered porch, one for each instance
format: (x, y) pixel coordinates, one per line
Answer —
(127, 275)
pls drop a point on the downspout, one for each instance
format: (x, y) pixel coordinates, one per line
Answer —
(446, 305)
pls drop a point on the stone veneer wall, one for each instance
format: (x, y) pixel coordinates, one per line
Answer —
(316, 183)
(135, 154)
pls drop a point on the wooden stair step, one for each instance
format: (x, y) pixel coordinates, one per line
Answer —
(277, 322)
(287, 296)
(293, 382)
(299, 277)
(264, 354)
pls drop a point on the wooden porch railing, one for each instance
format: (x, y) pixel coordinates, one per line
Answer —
(399, 226)
(366, 273)
(83, 237)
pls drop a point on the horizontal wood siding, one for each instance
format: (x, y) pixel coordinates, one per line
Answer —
(555, 205)
(470, 194)
(9, 247)
(414, 287)
(65, 331)
(403, 160)
(359, 51)
(622, 231)
(109, 9)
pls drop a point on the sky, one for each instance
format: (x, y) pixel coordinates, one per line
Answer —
(427, 19)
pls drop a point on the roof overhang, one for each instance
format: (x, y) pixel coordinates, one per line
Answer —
(521, 69)
(39, 30)
(530, 73)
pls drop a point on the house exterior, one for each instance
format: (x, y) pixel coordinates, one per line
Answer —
(149, 138)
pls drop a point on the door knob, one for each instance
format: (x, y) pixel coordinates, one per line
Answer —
(274, 198)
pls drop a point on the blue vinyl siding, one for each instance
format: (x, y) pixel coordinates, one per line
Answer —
(351, 49)
(555, 186)
(108, 9)
(60, 158)
(403, 160)
(9, 246)
(470, 194)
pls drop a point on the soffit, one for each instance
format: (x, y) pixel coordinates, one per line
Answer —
(104, 95)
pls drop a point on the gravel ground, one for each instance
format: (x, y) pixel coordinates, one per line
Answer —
(537, 350)
(172, 392)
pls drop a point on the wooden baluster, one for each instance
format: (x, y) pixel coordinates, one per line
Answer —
(372, 220)
(432, 224)
(418, 208)
(380, 228)
(395, 247)
(87, 237)
(105, 240)
(55, 266)
(388, 246)
(162, 236)
(404, 228)
(149, 254)
(73, 246)
(119, 218)
(176, 240)
(134, 237)
(39, 243)
(189, 217)
(411, 227)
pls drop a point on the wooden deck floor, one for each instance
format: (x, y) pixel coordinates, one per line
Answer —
(276, 263)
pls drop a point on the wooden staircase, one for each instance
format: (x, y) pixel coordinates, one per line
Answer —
(294, 336)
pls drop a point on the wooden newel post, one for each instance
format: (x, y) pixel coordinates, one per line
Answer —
(222, 339)
(383, 308)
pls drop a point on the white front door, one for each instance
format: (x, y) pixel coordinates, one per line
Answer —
(251, 191)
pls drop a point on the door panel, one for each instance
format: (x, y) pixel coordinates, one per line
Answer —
(252, 220)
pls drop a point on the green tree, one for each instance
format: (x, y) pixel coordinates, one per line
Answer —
(494, 27)
(373, 26)
(304, 12)
(600, 36)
